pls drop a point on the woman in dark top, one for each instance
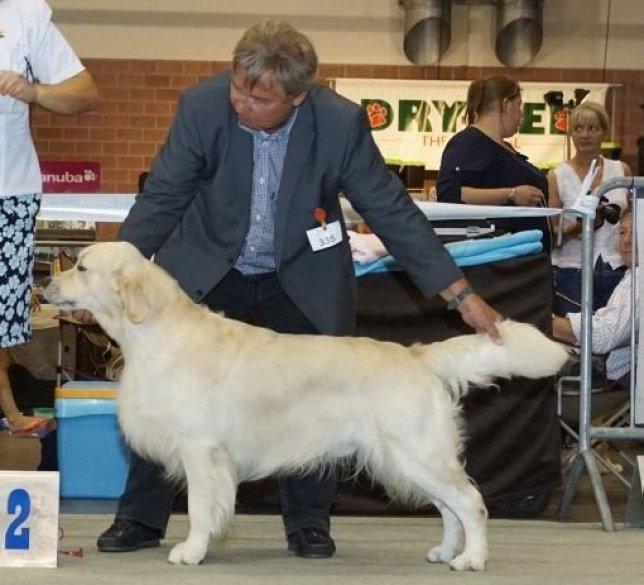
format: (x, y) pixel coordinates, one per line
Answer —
(479, 167)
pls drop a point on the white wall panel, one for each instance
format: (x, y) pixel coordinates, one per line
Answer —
(355, 31)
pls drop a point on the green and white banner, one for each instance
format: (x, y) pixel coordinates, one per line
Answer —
(413, 120)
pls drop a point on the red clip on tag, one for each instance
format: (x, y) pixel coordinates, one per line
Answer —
(319, 214)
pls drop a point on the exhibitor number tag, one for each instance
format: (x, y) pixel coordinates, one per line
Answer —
(326, 236)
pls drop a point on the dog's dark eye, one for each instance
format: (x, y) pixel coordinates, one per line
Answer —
(80, 268)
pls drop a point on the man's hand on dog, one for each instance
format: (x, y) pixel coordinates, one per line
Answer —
(473, 309)
(480, 316)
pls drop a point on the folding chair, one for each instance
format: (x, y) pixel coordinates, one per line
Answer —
(610, 407)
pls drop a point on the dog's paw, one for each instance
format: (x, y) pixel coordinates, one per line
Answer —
(185, 554)
(439, 554)
(469, 562)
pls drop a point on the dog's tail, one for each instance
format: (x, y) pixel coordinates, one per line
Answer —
(476, 360)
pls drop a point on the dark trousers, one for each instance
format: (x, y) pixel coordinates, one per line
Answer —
(305, 501)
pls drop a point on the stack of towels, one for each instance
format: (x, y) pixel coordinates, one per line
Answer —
(371, 256)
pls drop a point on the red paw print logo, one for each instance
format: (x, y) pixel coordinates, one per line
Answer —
(378, 115)
(561, 120)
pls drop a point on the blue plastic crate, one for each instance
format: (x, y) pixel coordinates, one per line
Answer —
(93, 458)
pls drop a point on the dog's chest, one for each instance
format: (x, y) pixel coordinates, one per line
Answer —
(146, 420)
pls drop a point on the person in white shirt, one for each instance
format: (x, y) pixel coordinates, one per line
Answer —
(611, 324)
(37, 66)
(589, 125)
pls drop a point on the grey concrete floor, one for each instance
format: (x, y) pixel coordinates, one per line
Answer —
(370, 551)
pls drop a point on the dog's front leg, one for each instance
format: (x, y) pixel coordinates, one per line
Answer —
(211, 501)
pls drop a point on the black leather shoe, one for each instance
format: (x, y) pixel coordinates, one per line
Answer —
(311, 543)
(528, 505)
(127, 536)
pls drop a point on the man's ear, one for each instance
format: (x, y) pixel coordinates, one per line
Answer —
(136, 294)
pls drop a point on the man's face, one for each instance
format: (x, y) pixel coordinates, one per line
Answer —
(264, 107)
(625, 240)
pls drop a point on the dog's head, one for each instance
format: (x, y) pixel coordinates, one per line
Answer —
(109, 279)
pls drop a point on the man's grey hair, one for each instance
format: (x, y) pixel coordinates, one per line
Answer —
(276, 47)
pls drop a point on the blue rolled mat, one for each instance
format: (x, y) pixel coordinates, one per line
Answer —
(470, 252)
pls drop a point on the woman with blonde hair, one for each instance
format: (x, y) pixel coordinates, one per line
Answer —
(589, 125)
(480, 167)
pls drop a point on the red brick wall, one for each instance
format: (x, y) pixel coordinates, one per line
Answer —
(139, 97)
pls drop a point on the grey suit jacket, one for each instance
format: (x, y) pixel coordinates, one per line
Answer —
(194, 210)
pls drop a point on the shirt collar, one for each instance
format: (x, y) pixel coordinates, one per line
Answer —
(282, 131)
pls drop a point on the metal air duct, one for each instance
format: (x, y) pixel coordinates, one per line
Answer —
(519, 31)
(427, 30)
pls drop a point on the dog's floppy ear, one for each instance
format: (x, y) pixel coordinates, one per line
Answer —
(137, 294)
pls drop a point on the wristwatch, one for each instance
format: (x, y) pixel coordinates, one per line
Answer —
(458, 298)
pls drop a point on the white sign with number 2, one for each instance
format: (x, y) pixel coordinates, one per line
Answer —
(28, 518)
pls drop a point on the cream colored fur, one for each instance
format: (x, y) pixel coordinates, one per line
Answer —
(218, 402)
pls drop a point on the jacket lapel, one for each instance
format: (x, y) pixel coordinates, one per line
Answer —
(297, 153)
(240, 165)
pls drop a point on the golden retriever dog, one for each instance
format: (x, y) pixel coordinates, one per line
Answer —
(218, 402)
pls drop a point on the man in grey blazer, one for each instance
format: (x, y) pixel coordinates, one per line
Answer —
(242, 208)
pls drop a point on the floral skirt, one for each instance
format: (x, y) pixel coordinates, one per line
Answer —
(17, 229)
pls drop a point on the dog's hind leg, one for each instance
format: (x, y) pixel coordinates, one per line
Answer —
(463, 499)
(435, 478)
(452, 536)
(211, 501)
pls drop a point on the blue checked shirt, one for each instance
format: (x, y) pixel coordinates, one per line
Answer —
(257, 255)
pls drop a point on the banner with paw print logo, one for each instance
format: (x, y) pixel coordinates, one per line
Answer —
(412, 120)
(561, 120)
(379, 113)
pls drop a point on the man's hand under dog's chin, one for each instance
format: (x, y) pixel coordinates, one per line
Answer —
(81, 316)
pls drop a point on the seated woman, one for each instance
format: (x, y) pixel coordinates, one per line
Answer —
(589, 126)
(612, 323)
(478, 165)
